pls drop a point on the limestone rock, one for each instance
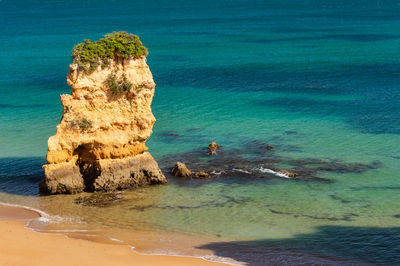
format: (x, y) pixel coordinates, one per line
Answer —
(212, 148)
(201, 175)
(100, 141)
(181, 170)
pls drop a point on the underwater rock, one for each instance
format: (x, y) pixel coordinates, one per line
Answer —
(340, 199)
(100, 141)
(334, 165)
(170, 134)
(303, 174)
(307, 161)
(201, 175)
(99, 199)
(255, 161)
(212, 148)
(341, 167)
(180, 169)
(258, 147)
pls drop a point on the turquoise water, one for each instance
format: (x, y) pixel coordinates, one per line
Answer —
(315, 79)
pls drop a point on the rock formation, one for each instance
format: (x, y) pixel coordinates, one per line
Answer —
(201, 174)
(100, 141)
(212, 148)
(180, 169)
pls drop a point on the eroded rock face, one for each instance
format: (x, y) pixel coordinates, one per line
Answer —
(100, 141)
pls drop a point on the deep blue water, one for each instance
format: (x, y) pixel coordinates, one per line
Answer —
(316, 79)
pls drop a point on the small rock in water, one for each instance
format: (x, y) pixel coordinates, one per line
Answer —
(201, 174)
(181, 170)
(291, 132)
(269, 147)
(212, 148)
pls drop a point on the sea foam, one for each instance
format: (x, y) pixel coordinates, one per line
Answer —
(270, 171)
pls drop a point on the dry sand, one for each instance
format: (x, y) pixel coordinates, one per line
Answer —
(22, 246)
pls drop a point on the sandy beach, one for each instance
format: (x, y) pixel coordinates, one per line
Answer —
(22, 246)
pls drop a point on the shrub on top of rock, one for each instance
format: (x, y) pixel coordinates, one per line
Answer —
(89, 55)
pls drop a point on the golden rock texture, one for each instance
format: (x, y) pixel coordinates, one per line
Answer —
(100, 141)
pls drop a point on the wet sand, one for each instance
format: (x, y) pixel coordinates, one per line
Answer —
(17, 214)
(22, 246)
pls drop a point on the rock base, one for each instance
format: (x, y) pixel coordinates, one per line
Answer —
(101, 175)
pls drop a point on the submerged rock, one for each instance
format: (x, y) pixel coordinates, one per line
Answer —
(170, 134)
(201, 175)
(335, 165)
(100, 141)
(258, 147)
(212, 148)
(341, 167)
(181, 170)
(99, 199)
(304, 174)
(255, 161)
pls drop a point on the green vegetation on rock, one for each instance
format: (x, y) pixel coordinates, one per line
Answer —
(118, 86)
(89, 55)
(84, 124)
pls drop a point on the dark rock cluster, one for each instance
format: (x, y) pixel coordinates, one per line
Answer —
(253, 161)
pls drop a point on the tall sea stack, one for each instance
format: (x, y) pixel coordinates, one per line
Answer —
(100, 141)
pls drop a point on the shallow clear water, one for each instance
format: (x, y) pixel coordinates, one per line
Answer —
(315, 79)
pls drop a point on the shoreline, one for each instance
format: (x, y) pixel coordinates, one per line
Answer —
(21, 245)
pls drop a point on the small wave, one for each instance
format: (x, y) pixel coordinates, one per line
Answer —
(214, 258)
(241, 170)
(213, 172)
(270, 171)
(211, 258)
(117, 240)
(42, 214)
(45, 217)
(68, 231)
